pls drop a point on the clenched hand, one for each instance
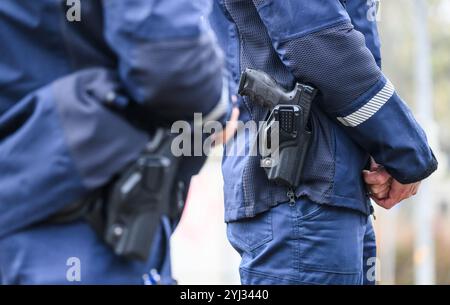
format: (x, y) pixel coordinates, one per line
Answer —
(384, 189)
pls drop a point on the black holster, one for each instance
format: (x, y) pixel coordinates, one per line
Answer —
(127, 212)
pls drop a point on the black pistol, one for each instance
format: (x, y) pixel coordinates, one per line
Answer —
(290, 111)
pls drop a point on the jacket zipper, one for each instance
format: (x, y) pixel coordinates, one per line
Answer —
(291, 196)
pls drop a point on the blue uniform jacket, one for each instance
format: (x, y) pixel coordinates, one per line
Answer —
(58, 140)
(333, 45)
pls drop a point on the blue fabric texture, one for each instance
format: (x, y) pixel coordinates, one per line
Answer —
(305, 244)
(167, 61)
(318, 59)
(86, 123)
(363, 15)
(61, 136)
(405, 154)
(32, 140)
(43, 255)
(58, 138)
(336, 49)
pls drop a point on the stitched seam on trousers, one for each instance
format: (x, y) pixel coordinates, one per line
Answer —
(296, 252)
(285, 279)
(317, 268)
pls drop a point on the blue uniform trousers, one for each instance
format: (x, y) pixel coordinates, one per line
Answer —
(305, 243)
(73, 253)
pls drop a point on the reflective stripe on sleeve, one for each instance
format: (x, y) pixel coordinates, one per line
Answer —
(370, 108)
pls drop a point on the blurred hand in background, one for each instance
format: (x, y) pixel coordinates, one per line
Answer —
(231, 127)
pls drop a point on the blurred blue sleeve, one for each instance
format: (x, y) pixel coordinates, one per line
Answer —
(58, 144)
(168, 58)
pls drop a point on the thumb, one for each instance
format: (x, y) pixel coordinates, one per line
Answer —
(380, 176)
(374, 166)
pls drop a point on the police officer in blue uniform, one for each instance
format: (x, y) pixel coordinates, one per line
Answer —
(325, 236)
(65, 85)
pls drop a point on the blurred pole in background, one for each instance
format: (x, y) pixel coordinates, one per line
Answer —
(424, 254)
(387, 244)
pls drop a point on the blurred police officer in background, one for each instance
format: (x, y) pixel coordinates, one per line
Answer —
(67, 84)
(325, 235)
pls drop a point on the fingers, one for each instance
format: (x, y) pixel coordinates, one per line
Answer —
(234, 115)
(381, 202)
(400, 192)
(379, 191)
(378, 181)
(230, 128)
(380, 176)
(384, 190)
(379, 188)
(387, 203)
(397, 193)
(374, 166)
(232, 125)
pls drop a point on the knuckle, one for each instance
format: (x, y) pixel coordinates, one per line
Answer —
(391, 205)
(384, 179)
(386, 206)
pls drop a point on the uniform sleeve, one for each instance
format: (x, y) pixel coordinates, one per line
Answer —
(363, 15)
(317, 41)
(60, 143)
(168, 58)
